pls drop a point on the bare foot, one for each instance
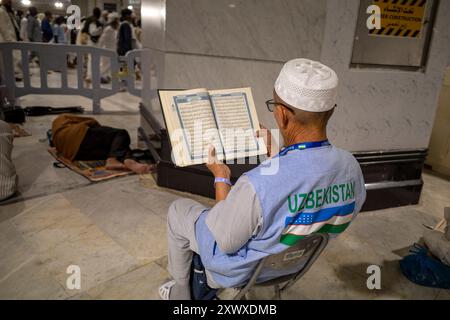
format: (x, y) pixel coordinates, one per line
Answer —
(114, 164)
(137, 167)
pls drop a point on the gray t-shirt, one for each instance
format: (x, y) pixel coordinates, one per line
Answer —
(236, 219)
(8, 177)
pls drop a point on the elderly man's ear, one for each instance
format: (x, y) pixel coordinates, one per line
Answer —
(282, 116)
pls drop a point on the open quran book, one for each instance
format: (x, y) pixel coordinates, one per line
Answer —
(225, 119)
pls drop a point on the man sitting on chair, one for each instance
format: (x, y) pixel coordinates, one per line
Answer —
(318, 188)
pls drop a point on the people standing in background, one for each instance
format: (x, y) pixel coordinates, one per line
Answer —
(104, 17)
(125, 39)
(18, 17)
(125, 34)
(9, 29)
(9, 32)
(34, 33)
(33, 26)
(72, 37)
(24, 27)
(94, 29)
(40, 17)
(59, 30)
(47, 30)
(68, 32)
(138, 32)
(108, 40)
(81, 39)
(137, 44)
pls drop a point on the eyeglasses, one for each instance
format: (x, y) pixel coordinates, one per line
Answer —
(271, 104)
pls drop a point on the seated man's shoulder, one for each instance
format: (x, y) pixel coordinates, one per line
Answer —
(334, 159)
(346, 156)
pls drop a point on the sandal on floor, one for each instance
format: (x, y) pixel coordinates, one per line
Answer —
(164, 290)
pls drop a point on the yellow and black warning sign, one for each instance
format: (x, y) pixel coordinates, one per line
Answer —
(400, 18)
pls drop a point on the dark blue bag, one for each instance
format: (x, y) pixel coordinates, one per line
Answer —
(49, 138)
(423, 269)
(199, 285)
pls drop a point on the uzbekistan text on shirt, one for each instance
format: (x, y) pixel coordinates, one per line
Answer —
(323, 210)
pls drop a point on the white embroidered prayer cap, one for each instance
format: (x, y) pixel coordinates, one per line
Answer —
(307, 85)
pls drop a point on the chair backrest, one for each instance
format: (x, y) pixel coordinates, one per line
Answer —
(291, 263)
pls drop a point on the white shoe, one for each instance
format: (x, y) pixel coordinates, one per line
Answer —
(164, 290)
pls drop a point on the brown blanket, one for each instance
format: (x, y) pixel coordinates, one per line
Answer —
(68, 132)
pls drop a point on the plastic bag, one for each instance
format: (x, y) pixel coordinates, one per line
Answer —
(421, 268)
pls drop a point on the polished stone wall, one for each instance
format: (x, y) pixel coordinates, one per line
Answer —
(224, 44)
(227, 44)
(251, 29)
(383, 109)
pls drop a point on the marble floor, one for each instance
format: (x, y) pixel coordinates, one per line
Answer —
(115, 231)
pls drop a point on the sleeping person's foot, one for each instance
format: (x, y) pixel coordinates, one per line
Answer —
(137, 167)
(114, 164)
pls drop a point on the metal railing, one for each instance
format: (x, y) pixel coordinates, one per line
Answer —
(53, 57)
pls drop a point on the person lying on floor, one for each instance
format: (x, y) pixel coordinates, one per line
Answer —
(83, 138)
(317, 188)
